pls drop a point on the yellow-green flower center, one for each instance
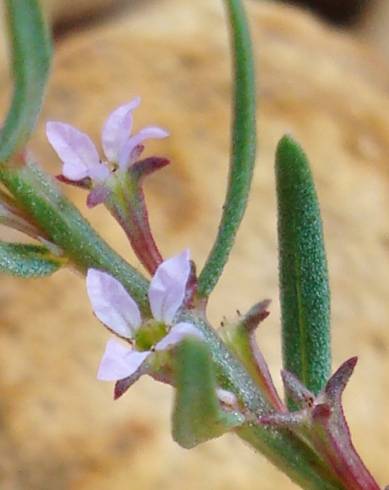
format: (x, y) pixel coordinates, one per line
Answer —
(149, 334)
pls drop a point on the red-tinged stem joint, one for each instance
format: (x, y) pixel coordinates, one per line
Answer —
(126, 202)
(321, 422)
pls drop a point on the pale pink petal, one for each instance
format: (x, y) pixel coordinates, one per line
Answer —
(153, 132)
(74, 148)
(99, 173)
(74, 171)
(112, 304)
(117, 129)
(167, 287)
(119, 361)
(177, 333)
(126, 155)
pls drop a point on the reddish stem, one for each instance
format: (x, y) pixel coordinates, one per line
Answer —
(133, 218)
(252, 319)
(127, 204)
(335, 444)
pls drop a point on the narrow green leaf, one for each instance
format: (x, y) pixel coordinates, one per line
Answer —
(304, 289)
(197, 415)
(25, 260)
(243, 147)
(30, 57)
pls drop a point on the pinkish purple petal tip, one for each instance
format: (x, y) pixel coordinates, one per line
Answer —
(126, 156)
(97, 196)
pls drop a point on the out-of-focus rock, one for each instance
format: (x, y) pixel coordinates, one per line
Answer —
(61, 12)
(374, 26)
(59, 427)
(338, 11)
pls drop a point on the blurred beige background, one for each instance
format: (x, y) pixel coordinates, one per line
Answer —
(59, 427)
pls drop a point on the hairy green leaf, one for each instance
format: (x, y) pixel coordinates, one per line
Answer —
(197, 415)
(304, 289)
(25, 260)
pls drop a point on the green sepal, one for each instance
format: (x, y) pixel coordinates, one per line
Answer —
(240, 338)
(197, 415)
(28, 261)
(304, 289)
(30, 56)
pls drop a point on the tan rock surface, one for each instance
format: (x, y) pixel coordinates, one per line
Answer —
(374, 25)
(62, 12)
(59, 427)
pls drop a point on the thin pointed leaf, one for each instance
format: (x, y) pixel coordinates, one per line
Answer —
(26, 261)
(30, 56)
(304, 289)
(242, 148)
(197, 414)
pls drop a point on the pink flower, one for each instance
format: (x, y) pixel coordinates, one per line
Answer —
(79, 155)
(115, 308)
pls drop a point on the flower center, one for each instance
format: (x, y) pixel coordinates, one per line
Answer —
(149, 334)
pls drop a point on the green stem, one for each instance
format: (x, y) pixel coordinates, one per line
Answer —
(242, 150)
(38, 195)
(31, 53)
